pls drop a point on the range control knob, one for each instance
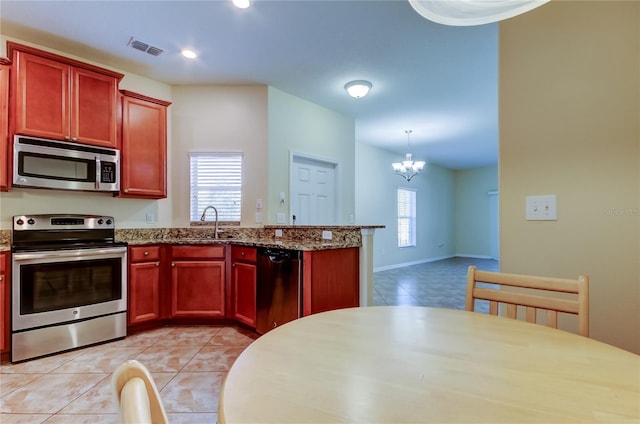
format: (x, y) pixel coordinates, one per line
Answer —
(31, 221)
(20, 221)
(100, 221)
(109, 222)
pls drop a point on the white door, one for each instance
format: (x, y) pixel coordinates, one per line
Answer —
(313, 192)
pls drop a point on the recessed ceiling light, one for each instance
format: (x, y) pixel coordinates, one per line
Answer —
(189, 54)
(241, 4)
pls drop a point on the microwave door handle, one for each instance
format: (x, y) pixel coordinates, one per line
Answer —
(98, 167)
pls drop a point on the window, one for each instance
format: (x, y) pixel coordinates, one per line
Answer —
(216, 180)
(406, 217)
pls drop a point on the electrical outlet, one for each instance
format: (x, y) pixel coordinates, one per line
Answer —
(259, 204)
(151, 218)
(327, 235)
(258, 217)
(278, 233)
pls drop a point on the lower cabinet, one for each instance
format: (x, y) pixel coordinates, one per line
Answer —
(144, 284)
(331, 280)
(243, 283)
(4, 301)
(198, 281)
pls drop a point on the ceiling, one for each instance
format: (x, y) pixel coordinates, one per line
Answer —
(439, 81)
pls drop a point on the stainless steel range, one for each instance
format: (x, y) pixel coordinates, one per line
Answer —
(69, 283)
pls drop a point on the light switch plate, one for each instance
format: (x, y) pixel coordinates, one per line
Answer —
(541, 208)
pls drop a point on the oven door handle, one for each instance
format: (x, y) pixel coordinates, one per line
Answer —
(53, 254)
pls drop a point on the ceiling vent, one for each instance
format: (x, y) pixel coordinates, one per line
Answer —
(144, 47)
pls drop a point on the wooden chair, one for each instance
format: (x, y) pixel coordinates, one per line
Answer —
(537, 297)
(137, 395)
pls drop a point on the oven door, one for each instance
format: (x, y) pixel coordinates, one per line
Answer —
(55, 287)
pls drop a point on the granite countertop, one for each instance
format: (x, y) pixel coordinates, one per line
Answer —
(306, 238)
(280, 244)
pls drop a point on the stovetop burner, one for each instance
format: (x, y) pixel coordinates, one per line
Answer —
(58, 232)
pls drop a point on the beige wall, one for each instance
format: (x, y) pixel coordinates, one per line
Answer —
(220, 119)
(129, 213)
(569, 125)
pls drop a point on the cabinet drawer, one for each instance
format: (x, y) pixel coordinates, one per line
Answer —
(243, 254)
(208, 252)
(144, 254)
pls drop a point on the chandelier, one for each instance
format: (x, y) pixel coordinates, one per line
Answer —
(408, 168)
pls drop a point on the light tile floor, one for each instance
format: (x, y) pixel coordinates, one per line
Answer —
(188, 363)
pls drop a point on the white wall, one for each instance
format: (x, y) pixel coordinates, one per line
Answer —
(302, 127)
(472, 210)
(376, 190)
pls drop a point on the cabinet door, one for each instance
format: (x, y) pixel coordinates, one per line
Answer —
(331, 280)
(94, 109)
(42, 100)
(197, 288)
(144, 148)
(4, 302)
(244, 291)
(5, 154)
(144, 292)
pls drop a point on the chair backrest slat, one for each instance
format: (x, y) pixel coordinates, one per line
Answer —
(536, 294)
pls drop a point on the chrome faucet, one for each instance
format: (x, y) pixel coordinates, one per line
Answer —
(202, 218)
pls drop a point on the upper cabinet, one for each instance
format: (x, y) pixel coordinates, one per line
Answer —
(4, 125)
(63, 99)
(144, 146)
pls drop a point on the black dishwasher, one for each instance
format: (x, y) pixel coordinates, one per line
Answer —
(279, 291)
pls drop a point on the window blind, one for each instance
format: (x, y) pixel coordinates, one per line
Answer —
(406, 217)
(216, 180)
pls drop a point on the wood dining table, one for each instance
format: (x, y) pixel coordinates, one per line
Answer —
(409, 364)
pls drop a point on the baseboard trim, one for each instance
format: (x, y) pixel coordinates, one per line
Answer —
(404, 264)
(466, 255)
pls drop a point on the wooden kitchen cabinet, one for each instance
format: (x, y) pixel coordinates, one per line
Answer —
(5, 154)
(63, 99)
(144, 284)
(330, 280)
(198, 281)
(5, 290)
(144, 146)
(243, 282)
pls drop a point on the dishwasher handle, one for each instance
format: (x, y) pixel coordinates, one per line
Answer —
(279, 255)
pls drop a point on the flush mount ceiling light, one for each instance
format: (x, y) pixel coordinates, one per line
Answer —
(358, 88)
(472, 12)
(189, 54)
(408, 168)
(241, 4)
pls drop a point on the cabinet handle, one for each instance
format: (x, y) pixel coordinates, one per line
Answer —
(241, 253)
(126, 190)
(146, 253)
(66, 137)
(173, 264)
(157, 263)
(75, 138)
(1, 277)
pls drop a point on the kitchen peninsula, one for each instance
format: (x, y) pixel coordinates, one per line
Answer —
(167, 265)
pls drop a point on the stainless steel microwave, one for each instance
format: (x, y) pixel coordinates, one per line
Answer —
(62, 165)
